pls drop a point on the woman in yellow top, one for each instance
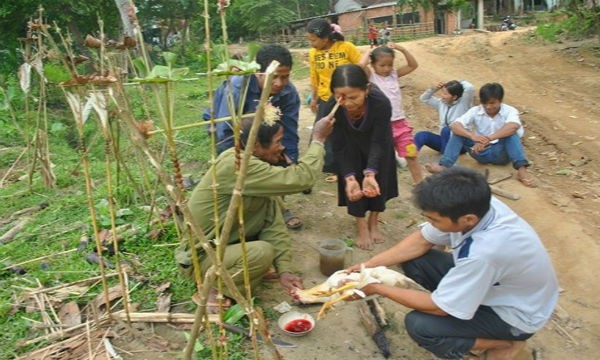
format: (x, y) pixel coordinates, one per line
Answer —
(329, 50)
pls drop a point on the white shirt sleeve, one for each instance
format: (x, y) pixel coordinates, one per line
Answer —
(464, 287)
(433, 235)
(468, 118)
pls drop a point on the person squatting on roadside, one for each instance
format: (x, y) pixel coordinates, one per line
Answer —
(491, 293)
(268, 243)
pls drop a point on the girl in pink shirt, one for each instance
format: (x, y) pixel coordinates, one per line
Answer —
(385, 76)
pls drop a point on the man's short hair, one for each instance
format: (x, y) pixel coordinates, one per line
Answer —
(455, 88)
(265, 132)
(267, 53)
(454, 192)
(491, 91)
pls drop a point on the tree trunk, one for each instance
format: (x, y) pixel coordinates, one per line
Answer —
(128, 17)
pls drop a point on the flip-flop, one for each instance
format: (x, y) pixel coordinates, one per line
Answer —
(292, 222)
(212, 307)
(331, 179)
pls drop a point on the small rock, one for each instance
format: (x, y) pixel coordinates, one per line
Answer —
(580, 162)
(567, 172)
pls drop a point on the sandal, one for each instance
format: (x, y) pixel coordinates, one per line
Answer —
(292, 222)
(212, 305)
(331, 179)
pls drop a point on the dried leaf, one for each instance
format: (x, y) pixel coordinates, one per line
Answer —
(69, 314)
(163, 287)
(25, 77)
(98, 103)
(113, 294)
(163, 303)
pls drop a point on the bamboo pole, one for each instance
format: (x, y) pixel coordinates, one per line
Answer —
(198, 124)
(40, 258)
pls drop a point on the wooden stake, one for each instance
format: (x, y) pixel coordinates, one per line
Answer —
(10, 234)
(504, 193)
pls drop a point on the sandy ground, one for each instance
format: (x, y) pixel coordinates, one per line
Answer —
(556, 88)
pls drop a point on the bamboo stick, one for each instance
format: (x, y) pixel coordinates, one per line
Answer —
(10, 234)
(198, 124)
(40, 258)
(157, 317)
(78, 282)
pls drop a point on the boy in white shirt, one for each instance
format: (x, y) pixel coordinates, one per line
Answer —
(491, 133)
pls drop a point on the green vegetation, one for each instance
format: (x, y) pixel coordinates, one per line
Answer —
(576, 21)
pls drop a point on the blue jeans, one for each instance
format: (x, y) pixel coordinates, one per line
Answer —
(508, 149)
(433, 141)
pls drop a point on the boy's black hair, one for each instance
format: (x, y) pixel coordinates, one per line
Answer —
(334, 19)
(267, 53)
(265, 132)
(454, 192)
(381, 51)
(491, 91)
(455, 88)
(349, 75)
(322, 29)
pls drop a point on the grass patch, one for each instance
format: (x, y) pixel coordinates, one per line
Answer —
(59, 227)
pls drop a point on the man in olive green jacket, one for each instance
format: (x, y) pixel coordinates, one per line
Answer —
(268, 241)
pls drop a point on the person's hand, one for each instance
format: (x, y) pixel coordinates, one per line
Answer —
(439, 85)
(287, 159)
(313, 104)
(353, 268)
(323, 128)
(369, 289)
(353, 190)
(370, 186)
(480, 139)
(290, 281)
(478, 147)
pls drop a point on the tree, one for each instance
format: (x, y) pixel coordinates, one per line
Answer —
(263, 16)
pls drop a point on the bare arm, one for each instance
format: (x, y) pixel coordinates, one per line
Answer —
(458, 129)
(507, 130)
(364, 62)
(411, 62)
(414, 299)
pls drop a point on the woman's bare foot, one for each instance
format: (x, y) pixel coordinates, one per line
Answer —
(363, 240)
(376, 235)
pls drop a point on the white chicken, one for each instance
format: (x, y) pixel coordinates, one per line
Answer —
(341, 285)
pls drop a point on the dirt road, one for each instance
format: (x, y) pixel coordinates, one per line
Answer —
(556, 87)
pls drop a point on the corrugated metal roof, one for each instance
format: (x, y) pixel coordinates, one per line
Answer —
(351, 5)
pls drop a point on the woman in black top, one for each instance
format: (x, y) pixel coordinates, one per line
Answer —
(363, 150)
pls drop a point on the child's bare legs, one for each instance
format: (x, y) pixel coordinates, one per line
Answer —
(363, 241)
(415, 169)
(376, 235)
